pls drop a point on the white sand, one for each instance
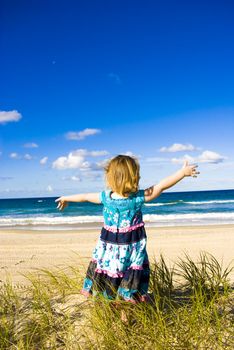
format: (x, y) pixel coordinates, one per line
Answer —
(22, 251)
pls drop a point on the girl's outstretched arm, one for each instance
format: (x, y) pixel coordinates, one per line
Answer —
(83, 197)
(154, 191)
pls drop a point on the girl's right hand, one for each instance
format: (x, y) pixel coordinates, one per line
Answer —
(190, 170)
(62, 203)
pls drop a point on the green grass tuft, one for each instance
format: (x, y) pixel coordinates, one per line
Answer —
(192, 307)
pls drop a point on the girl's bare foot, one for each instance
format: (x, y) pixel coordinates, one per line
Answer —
(123, 316)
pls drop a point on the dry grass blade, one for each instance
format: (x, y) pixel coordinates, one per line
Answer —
(50, 314)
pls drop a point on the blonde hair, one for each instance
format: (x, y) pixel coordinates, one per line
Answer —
(123, 174)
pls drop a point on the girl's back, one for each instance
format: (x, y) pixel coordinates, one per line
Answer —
(122, 214)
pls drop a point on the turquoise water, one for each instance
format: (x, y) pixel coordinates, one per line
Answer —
(170, 209)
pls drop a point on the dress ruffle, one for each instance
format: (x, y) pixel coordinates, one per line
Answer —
(131, 285)
(119, 266)
(123, 229)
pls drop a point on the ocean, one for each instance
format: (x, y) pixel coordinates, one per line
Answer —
(170, 209)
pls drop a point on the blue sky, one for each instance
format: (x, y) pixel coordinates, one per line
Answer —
(153, 78)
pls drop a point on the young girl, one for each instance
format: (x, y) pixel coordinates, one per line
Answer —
(119, 264)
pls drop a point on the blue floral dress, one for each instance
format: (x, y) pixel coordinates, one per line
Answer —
(119, 266)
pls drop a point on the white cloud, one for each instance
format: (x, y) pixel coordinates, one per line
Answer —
(84, 152)
(30, 145)
(97, 153)
(72, 161)
(14, 155)
(72, 178)
(204, 157)
(49, 188)
(9, 116)
(102, 164)
(131, 154)
(210, 157)
(28, 156)
(182, 159)
(81, 135)
(178, 147)
(75, 178)
(43, 160)
(76, 160)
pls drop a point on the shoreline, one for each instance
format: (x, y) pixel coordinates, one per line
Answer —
(23, 251)
(98, 225)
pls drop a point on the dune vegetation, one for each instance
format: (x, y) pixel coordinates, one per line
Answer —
(191, 307)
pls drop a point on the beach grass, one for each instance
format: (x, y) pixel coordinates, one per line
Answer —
(191, 307)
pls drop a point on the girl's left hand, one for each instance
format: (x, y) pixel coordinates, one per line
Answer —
(62, 203)
(190, 170)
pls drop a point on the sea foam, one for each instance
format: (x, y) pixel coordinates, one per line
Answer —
(157, 219)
